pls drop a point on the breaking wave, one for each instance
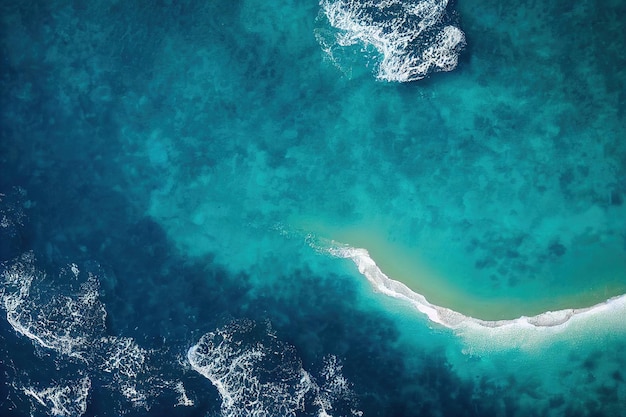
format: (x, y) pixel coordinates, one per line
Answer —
(258, 375)
(510, 332)
(410, 39)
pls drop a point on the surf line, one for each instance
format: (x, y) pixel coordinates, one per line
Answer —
(453, 319)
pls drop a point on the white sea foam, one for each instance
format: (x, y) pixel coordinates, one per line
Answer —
(122, 355)
(64, 314)
(506, 331)
(64, 318)
(183, 398)
(126, 362)
(410, 37)
(61, 399)
(258, 375)
(334, 386)
(11, 211)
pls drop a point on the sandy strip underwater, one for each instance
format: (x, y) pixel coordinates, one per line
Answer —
(607, 310)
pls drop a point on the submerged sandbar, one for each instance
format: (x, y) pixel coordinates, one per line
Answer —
(580, 279)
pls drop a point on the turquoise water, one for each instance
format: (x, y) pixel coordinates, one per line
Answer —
(206, 204)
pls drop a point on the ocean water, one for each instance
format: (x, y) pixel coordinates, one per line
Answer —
(325, 208)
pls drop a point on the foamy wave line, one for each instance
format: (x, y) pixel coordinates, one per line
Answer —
(453, 319)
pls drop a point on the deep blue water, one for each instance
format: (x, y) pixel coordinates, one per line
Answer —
(176, 176)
